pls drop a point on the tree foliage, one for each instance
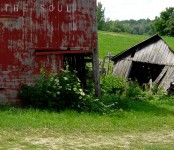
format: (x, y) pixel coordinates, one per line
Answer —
(100, 15)
(164, 24)
(141, 26)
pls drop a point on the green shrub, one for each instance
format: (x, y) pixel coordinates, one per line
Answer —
(113, 85)
(53, 91)
(106, 104)
(134, 91)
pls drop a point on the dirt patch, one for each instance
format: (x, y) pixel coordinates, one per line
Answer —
(115, 34)
(92, 141)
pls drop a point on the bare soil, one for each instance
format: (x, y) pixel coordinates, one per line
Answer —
(114, 34)
(104, 141)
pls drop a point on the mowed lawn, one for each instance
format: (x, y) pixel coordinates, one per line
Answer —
(146, 126)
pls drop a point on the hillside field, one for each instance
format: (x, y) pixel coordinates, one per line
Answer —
(118, 42)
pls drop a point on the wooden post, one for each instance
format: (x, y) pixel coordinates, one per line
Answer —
(96, 72)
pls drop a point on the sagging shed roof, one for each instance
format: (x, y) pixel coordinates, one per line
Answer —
(141, 46)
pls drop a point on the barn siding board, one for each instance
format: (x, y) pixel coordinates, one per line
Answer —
(128, 68)
(151, 54)
(165, 69)
(170, 59)
(169, 79)
(165, 55)
(147, 53)
(157, 52)
(117, 68)
(170, 76)
(139, 55)
(123, 66)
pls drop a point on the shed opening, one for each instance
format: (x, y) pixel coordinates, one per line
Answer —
(143, 72)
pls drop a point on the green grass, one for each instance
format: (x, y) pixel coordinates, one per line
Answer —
(148, 125)
(118, 42)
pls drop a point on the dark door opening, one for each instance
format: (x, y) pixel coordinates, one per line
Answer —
(78, 63)
(143, 72)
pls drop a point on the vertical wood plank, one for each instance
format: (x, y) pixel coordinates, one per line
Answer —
(96, 73)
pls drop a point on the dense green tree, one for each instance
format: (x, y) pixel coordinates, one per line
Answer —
(142, 26)
(164, 24)
(170, 26)
(100, 15)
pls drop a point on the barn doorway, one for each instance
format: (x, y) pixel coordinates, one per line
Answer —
(143, 72)
(78, 63)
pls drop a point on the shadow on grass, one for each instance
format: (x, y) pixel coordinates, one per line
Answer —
(154, 108)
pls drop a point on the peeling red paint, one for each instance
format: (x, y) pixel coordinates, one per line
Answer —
(36, 32)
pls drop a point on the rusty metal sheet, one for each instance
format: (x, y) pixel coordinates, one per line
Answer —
(45, 25)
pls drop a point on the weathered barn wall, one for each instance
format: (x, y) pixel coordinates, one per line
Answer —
(37, 33)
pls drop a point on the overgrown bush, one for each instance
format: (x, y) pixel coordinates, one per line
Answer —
(113, 85)
(59, 92)
(114, 93)
(134, 91)
(106, 104)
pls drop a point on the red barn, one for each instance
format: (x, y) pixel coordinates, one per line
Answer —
(48, 33)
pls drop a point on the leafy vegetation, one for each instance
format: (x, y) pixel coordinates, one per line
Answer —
(100, 15)
(53, 91)
(141, 26)
(62, 91)
(164, 25)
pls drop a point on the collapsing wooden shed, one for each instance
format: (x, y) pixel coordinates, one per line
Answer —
(150, 59)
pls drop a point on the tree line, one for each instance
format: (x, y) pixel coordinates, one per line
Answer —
(162, 25)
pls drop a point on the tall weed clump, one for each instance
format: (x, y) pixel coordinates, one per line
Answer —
(113, 85)
(53, 91)
(113, 93)
(119, 93)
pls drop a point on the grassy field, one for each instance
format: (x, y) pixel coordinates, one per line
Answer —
(117, 42)
(148, 125)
